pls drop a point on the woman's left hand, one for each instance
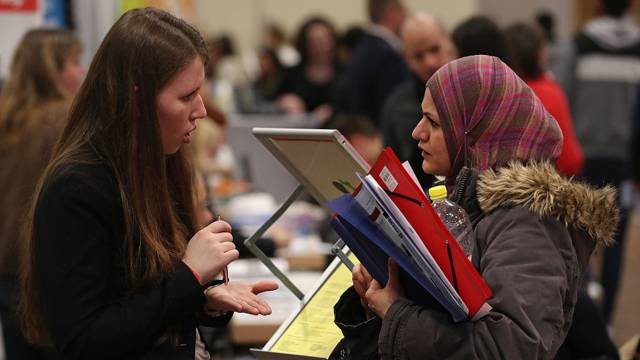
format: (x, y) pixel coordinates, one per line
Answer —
(240, 297)
(380, 299)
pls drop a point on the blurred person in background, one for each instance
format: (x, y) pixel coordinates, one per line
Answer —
(206, 143)
(268, 82)
(361, 133)
(602, 95)
(479, 35)
(225, 65)
(204, 211)
(276, 40)
(376, 66)
(559, 51)
(529, 51)
(347, 43)
(226, 75)
(44, 76)
(427, 47)
(309, 87)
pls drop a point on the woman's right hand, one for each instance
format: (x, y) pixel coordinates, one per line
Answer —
(210, 250)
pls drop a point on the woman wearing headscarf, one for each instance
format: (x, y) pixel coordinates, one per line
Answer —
(489, 135)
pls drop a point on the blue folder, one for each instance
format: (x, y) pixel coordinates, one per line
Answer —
(372, 247)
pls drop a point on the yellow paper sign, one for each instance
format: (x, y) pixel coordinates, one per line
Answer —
(313, 332)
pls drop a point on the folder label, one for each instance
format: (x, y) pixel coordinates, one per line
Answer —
(388, 179)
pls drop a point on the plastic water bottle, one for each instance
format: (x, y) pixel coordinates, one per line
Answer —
(454, 218)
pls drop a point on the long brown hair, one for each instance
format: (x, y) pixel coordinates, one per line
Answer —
(35, 82)
(113, 121)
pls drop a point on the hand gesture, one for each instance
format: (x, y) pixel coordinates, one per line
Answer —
(379, 299)
(240, 297)
(210, 250)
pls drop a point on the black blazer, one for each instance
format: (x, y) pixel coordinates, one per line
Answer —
(78, 247)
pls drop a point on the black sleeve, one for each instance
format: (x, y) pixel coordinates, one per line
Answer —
(74, 253)
(360, 333)
(215, 319)
(288, 81)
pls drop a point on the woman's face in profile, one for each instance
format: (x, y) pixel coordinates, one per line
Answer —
(179, 105)
(431, 140)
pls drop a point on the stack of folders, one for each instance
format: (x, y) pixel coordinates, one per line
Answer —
(389, 215)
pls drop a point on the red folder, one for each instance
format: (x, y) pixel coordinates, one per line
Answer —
(405, 193)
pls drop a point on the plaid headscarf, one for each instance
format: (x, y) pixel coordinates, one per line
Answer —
(489, 116)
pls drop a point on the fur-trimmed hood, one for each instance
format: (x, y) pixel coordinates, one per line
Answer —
(539, 187)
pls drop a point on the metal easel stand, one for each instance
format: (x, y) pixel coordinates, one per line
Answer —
(340, 250)
(250, 243)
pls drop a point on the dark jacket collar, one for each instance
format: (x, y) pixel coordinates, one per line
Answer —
(464, 194)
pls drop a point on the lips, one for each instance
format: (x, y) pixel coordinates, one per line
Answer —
(187, 137)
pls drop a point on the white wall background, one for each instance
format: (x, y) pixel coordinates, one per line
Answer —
(12, 26)
(244, 19)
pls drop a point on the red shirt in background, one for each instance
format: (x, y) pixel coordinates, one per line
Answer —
(554, 100)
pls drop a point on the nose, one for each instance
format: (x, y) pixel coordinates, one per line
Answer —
(431, 60)
(420, 132)
(199, 110)
(431, 63)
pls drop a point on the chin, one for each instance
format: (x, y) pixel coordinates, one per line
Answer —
(430, 169)
(170, 152)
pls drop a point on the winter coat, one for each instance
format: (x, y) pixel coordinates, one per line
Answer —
(534, 232)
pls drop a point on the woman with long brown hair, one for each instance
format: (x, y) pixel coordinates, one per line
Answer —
(117, 267)
(45, 73)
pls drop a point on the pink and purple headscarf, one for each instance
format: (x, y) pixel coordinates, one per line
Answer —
(489, 116)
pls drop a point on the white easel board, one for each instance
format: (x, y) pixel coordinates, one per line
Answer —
(320, 159)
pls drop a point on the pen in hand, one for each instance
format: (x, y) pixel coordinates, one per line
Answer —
(225, 270)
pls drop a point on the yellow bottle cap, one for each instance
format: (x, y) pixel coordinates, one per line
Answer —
(438, 192)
